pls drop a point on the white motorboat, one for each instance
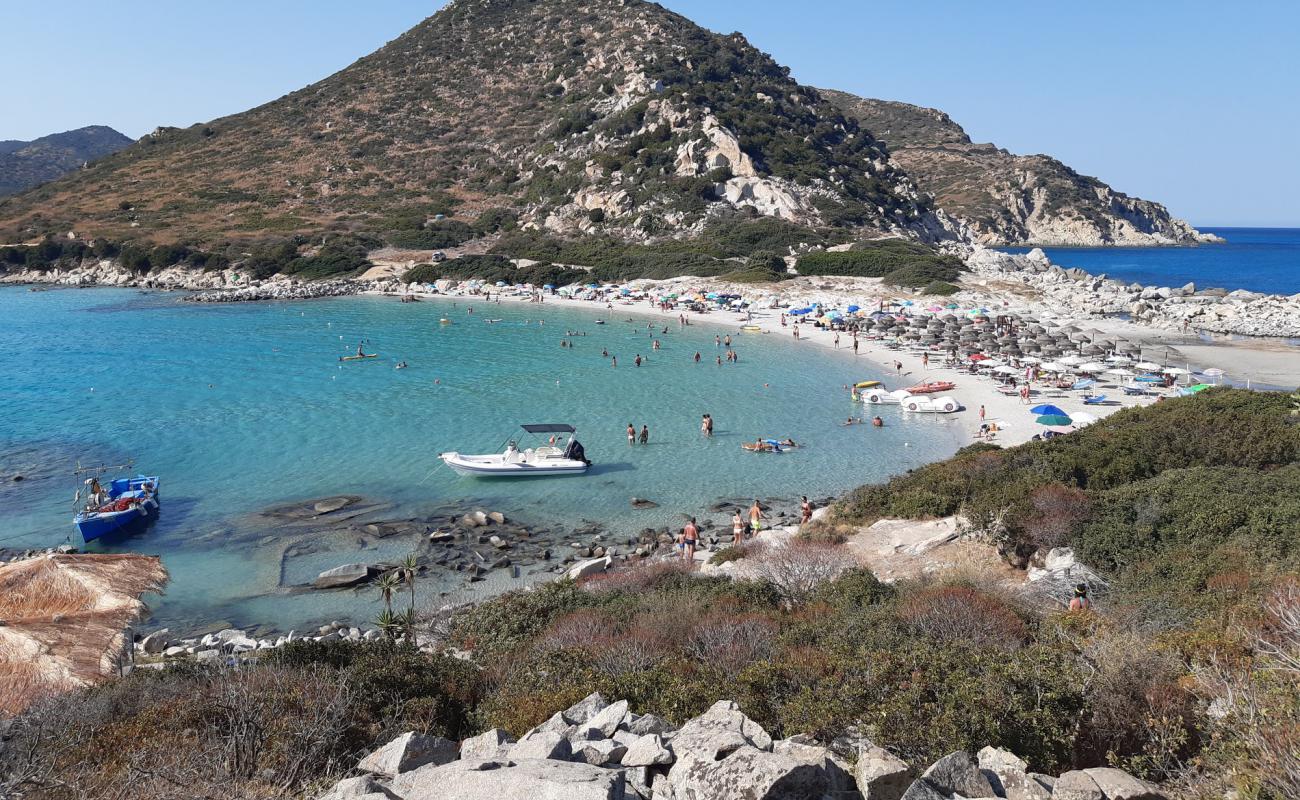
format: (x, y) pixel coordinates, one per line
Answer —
(548, 459)
(931, 405)
(880, 397)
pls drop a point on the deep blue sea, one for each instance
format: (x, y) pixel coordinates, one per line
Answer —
(1257, 259)
(244, 406)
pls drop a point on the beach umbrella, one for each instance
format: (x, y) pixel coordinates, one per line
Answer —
(1214, 372)
(852, 309)
(1006, 369)
(1147, 365)
(1047, 409)
(1092, 366)
(1175, 371)
(1121, 372)
(1055, 420)
(952, 305)
(1052, 366)
(1082, 418)
(1032, 360)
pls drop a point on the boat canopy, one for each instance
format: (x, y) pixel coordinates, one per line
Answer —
(549, 428)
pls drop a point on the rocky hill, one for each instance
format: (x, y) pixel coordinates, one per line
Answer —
(602, 116)
(27, 164)
(1005, 198)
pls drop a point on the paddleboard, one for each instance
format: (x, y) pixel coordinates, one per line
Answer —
(359, 358)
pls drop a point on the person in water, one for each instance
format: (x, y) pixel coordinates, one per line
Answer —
(645, 434)
(631, 434)
(788, 442)
(877, 422)
(851, 421)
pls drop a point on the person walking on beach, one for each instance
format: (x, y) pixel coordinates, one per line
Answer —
(925, 360)
(805, 511)
(737, 528)
(981, 413)
(855, 345)
(631, 434)
(837, 341)
(796, 332)
(756, 518)
(645, 434)
(898, 367)
(690, 537)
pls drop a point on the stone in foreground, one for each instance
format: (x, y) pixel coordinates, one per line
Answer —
(1076, 785)
(1116, 784)
(409, 751)
(535, 779)
(881, 775)
(486, 746)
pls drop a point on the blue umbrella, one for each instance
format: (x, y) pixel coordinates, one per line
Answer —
(854, 308)
(1048, 410)
(549, 286)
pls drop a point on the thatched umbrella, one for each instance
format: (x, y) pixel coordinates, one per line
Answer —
(65, 620)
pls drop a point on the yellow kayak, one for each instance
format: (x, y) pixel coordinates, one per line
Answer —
(751, 328)
(359, 358)
(867, 384)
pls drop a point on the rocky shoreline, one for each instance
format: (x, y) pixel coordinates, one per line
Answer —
(993, 277)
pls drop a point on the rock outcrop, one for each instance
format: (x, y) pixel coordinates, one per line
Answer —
(596, 750)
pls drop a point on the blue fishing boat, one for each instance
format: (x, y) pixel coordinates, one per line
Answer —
(121, 505)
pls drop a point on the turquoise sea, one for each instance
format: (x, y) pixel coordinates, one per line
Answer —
(241, 407)
(1257, 259)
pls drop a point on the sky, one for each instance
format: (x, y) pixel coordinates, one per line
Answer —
(1193, 104)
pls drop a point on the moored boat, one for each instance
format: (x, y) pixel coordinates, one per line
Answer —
(548, 459)
(121, 505)
(931, 405)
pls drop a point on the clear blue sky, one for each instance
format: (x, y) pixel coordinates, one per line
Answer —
(1195, 104)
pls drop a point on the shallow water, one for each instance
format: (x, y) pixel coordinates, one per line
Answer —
(245, 406)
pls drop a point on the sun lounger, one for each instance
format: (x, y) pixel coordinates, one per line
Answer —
(1095, 400)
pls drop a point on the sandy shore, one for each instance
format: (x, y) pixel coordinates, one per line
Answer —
(1016, 425)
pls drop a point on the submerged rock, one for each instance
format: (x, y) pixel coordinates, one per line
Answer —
(345, 575)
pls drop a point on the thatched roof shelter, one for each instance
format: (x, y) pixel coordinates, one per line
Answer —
(64, 620)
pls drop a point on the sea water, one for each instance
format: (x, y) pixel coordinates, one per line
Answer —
(1256, 259)
(241, 407)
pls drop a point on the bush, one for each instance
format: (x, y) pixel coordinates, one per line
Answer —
(941, 289)
(887, 258)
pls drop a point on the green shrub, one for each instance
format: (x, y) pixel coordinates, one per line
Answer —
(941, 289)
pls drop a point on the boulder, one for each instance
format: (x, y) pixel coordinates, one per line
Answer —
(591, 566)
(582, 711)
(486, 746)
(345, 575)
(609, 718)
(407, 752)
(362, 787)
(331, 504)
(648, 723)
(1009, 775)
(743, 774)
(556, 724)
(647, 751)
(536, 779)
(1076, 785)
(808, 752)
(957, 773)
(1116, 784)
(881, 775)
(156, 642)
(546, 744)
(704, 745)
(600, 752)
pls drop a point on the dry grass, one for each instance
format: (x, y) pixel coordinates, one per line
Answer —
(64, 620)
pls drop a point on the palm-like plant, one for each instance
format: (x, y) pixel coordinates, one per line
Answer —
(388, 623)
(407, 570)
(388, 584)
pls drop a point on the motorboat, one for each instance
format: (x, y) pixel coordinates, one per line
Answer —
(882, 397)
(546, 459)
(932, 387)
(932, 405)
(120, 505)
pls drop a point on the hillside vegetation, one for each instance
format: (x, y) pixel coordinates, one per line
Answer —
(27, 164)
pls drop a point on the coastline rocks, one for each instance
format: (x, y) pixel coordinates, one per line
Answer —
(345, 575)
(409, 751)
(591, 566)
(1076, 785)
(955, 774)
(1009, 775)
